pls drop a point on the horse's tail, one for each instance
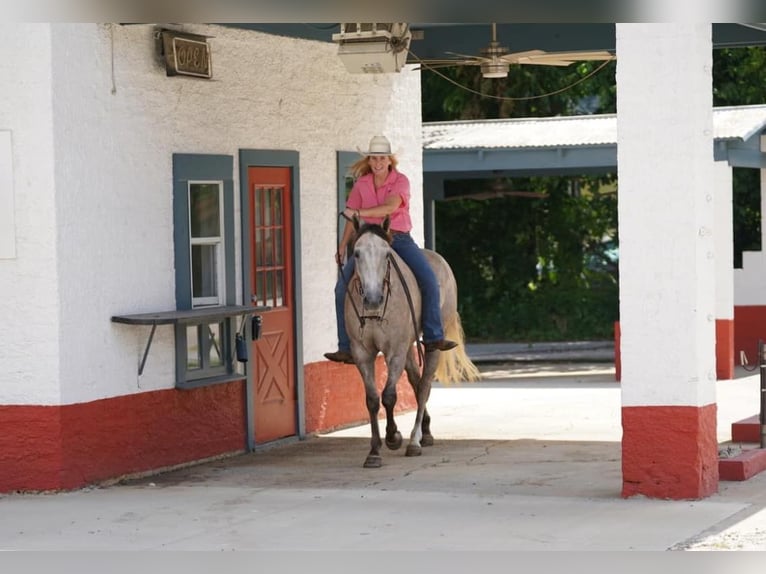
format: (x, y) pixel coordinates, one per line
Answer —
(455, 365)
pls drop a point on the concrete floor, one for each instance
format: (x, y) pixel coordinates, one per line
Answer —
(527, 459)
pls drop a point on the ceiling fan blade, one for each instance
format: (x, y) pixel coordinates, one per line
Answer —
(556, 58)
(466, 56)
(524, 54)
(494, 194)
(436, 64)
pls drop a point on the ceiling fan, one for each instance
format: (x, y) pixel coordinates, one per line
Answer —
(498, 188)
(495, 59)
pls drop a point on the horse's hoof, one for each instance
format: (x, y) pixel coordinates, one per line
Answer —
(427, 440)
(414, 450)
(373, 461)
(394, 443)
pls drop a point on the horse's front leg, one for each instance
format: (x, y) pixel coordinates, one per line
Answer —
(421, 384)
(395, 367)
(367, 370)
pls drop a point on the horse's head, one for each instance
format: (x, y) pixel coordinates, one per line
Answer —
(372, 245)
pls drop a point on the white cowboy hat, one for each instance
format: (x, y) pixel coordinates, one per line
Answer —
(379, 145)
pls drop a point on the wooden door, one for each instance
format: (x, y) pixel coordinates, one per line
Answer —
(271, 283)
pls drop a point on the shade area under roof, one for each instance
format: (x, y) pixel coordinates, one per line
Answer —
(566, 145)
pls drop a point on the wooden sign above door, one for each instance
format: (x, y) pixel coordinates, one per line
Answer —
(186, 54)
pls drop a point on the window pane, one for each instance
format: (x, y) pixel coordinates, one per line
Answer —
(259, 248)
(268, 247)
(258, 206)
(279, 287)
(259, 288)
(193, 358)
(204, 206)
(278, 206)
(215, 349)
(204, 271)
(267, 206)
(278, 260)
(269, 288)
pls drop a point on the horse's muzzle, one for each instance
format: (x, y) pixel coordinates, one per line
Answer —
(372, 300)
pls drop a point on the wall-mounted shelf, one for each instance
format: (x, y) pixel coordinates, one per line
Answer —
(185, 316)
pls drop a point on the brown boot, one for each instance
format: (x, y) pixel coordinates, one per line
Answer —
(440, 345)
(340, 357)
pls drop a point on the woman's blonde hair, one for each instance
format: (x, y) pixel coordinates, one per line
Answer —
(362, 167)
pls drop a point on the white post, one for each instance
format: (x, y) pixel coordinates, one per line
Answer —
(667, 259)
(724, 270)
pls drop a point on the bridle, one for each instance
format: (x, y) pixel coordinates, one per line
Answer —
(390, 261)
(356, 283)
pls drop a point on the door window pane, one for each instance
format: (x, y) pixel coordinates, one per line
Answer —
(277, 206)
(279, 288)
(278, 248)
(259, 288)
(267, 207)
(269, 288)
(268, 247)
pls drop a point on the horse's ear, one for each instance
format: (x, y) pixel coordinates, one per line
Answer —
(386, 223)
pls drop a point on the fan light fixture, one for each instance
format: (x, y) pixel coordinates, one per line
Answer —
(492, 66)
(495, 69)
(495, 60)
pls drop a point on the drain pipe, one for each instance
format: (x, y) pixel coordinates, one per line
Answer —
(762, 417)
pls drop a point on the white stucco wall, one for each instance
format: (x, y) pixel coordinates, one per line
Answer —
(116, 120)
(29, 291)
(666, 214)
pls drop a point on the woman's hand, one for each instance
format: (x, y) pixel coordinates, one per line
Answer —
(349, 213)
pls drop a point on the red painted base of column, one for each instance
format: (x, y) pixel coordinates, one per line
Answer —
(724, 349)
(70, 446)
(749, 327)
(669, 452)
(747, 430)
(335, 395)
(743, 466)
(617, 359)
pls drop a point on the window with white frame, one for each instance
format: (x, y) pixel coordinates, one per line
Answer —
(203, 235)
(206, 243)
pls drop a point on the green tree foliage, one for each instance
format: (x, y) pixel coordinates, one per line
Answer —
(529, 269)
(540, 269)
(524, 93)
(739, 78)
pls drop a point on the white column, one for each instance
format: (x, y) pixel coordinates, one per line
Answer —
(667, 258)
(724, 236)
(724, 269)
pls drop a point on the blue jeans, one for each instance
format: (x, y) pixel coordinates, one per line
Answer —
(413, 256)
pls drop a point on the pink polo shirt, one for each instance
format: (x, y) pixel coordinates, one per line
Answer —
(364, 195)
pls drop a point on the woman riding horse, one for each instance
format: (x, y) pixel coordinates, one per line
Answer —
(380, 190)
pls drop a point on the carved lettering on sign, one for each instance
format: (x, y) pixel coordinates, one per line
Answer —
(186, 54)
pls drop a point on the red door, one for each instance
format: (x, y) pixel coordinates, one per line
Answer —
(271, 283)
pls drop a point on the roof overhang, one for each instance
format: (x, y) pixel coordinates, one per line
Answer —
(567, 145)
(433, 40)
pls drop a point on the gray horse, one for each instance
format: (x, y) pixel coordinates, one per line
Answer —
(383, 309)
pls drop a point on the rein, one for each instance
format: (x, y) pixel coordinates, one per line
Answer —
(409, 302)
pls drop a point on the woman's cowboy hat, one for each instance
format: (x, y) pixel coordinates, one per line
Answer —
(379, 145)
